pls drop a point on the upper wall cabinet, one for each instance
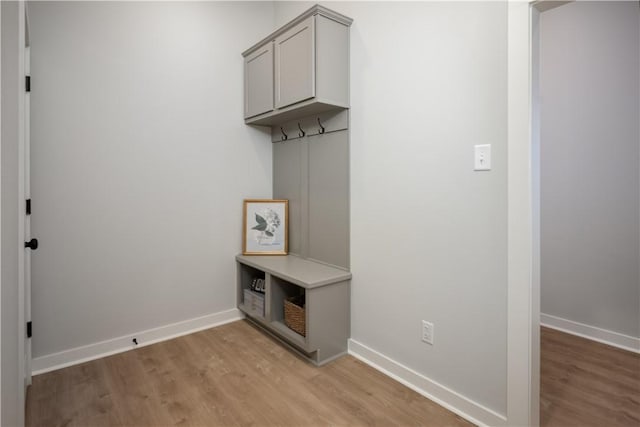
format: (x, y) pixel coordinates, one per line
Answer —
(299, 70)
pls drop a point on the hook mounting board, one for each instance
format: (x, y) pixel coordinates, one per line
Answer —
(331, 121)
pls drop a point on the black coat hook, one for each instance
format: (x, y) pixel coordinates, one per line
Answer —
(284, 135)
(321, 130)
(301, 133)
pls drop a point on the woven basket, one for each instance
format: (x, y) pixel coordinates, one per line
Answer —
(294, 314)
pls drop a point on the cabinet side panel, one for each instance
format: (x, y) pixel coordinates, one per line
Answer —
(329, 198)
(328, 324)
(332, 61)
(287, 179)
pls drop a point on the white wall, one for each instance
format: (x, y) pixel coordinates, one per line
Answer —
(140, 162)
(590, 148)
(428, 239)
(10, 373)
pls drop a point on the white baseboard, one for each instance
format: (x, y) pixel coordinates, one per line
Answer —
(443, 396)
(604, 336)
(74, 356)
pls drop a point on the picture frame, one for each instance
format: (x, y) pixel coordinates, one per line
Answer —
(265, 227)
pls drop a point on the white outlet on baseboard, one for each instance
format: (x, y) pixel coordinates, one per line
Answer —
(427, 332)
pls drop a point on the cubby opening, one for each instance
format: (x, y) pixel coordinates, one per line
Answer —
(282, 290)
(252, 290)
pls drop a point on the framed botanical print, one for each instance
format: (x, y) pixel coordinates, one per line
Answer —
(265, 227)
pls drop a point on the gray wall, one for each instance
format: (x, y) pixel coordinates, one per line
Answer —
(12, 412)
(140, 163)
(428, 235)
(590, 138)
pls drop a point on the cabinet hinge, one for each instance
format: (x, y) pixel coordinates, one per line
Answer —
(27, 83)
(29, 329)
(27, 207)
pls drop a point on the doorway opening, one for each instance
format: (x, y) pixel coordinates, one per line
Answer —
(586, 192)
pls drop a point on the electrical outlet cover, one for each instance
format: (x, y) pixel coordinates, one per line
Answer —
(427, 332)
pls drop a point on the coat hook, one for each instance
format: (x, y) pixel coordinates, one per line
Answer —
(301, 133)
(284, 136)
(321, 130)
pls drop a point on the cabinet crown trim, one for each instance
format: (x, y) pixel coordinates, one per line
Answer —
(314, 10)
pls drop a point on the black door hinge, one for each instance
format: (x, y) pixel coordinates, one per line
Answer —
(27, 83)
(28, 207)
(29, 329)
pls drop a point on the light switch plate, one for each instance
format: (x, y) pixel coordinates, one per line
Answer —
(482, 157)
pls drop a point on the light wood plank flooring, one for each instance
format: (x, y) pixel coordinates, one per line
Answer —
(585, 383)
(235, 375)
(226, 376)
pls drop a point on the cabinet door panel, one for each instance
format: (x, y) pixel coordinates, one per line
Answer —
(258, 81)
(295, 64)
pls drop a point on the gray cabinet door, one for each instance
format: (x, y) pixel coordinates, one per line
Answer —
(258, 81)
(295, 64)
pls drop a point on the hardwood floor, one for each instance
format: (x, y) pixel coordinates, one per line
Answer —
(227, 376)
(585, 383)
(235, 375)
